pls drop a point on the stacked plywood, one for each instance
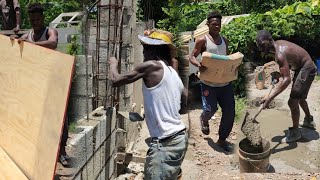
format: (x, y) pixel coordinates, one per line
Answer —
(34, 83)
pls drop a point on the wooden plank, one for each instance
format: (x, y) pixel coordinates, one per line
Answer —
(10, 32)
(220, 71)
(34, 83)
(9, 169)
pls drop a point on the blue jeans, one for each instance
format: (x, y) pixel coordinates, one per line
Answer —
(211, 96)
(164, 159)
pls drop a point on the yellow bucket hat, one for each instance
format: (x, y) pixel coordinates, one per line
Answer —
(159, 37)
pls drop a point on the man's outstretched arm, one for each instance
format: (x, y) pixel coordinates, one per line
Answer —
(52, 41)
(140, 71)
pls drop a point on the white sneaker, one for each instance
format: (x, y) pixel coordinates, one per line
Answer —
(292, 136)
(308, 123)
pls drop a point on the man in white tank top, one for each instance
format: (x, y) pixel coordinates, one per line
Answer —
(214, 93)
(40, 34)
(163, 92)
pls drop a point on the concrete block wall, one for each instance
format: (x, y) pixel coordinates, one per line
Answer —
(135, 90)
(94, 148)
(79, 95)
(128, 56)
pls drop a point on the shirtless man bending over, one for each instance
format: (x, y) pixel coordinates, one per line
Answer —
(291, 56)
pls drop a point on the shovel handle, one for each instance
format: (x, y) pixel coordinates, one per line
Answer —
(266, 96)
(259, 111)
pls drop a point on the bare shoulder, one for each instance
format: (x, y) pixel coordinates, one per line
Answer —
(151, 65)
(288, 44)
(200, 43)
(201, 39)
(52, 31)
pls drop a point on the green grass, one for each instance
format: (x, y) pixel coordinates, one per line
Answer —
(72, 127)
(240, 107)
(318, 78)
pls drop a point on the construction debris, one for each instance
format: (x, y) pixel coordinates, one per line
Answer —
(268, 68)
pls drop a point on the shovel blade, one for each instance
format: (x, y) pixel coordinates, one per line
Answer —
(132, 116)
(251, 128)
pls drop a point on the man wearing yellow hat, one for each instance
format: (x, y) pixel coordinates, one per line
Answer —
(162, 91)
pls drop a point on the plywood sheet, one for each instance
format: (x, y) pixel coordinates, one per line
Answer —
(8, 169)
(220, 71)
(34, 83)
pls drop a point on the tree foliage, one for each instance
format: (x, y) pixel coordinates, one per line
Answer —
(150, 9)
(289, 22)
(261, 6)
(52, 9)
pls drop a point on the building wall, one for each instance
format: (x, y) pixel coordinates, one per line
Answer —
(99, 141)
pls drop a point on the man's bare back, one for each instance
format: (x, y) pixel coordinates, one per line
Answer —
(291, 56)
(295, 55)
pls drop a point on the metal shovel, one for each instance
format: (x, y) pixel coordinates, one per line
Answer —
(250, 127)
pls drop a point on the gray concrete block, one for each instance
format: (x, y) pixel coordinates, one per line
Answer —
(102, 175)
(112, 167)
(79, 85)
(82, 145)
(64, 32)
(110, 145)
(97, 161)
(78, 177)
(100, 132)
(88, 171)
(132, 131)
(81, 64)
(74, 117)
(113, 118)
(103, 66)
(102, 89)
(127, 34)
(77, 105)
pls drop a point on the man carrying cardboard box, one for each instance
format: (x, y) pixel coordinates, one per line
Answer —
(214, 93)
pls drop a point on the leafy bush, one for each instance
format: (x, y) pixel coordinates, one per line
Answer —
(52, 9)
(73, 47)
(289, 23)
(240, 107)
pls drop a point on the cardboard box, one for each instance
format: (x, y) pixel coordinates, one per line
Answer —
(220, 69)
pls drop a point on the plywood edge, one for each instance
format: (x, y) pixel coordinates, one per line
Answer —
(3, 37)
(8, 169)
(64, 117)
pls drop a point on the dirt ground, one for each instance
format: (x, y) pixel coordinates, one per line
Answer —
(302, 156)
(204, 160)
